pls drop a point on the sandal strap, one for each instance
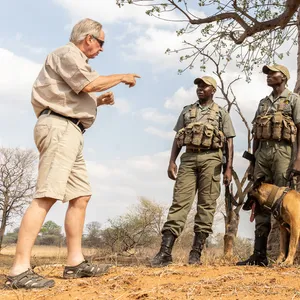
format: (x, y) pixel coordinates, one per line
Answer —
(28, 279)
(85, 269)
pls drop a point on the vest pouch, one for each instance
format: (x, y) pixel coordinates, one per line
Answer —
(207, 137)
(266, 124)
(197, 133)
(293, 131)
(257, 128)
(286, 131)
(180, 137)
(188, 134)
(289, 130)
(218, 140)
(277, 126)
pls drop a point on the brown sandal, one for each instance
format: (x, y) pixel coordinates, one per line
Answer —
(85, 269)
(28, 280)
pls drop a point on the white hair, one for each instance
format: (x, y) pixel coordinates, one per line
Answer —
(83, 28)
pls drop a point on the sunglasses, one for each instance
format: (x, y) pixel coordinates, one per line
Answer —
(100, 42)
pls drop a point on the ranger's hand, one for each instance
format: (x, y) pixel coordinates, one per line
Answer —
(129, 79)
(296, 169)
(251, 172)
(227, 177)
(172, 171)
(106, 99)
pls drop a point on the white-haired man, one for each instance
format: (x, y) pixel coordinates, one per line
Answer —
(65, 104)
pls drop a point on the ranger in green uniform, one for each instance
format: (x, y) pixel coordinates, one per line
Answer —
(204, 128)
(276, 127)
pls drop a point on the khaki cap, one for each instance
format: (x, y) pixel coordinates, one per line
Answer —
(208, 80)
(277, 68)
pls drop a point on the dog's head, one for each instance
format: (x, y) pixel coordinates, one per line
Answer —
(254, 194)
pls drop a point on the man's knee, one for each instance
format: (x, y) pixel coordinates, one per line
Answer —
(45, 203)
(80, 202)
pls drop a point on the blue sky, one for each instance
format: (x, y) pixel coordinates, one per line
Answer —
(127, 149)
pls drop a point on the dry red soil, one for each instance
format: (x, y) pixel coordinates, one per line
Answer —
(176, 281)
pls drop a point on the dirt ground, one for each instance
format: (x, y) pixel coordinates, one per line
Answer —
(178, 281)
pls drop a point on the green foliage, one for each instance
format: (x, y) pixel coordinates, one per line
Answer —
(50, 234)
(50, 228)
(11, 237)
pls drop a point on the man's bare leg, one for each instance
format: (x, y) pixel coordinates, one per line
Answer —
(30, 226)
(74, 223)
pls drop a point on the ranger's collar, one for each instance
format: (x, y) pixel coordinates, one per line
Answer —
(284, 94)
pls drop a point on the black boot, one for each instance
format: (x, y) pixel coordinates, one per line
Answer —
(259, 256)
(164, 257)
(198, 245)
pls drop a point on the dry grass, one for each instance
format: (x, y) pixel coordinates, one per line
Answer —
(217, 278)
(176, 281)
(47, 251)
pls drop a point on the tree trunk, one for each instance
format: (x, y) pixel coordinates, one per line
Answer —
(2, 228)
(231, 227)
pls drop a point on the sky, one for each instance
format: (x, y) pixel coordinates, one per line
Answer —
(128, 148)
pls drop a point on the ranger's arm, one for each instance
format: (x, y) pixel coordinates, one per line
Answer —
(172, 169)
(227, 177)
(296, 166)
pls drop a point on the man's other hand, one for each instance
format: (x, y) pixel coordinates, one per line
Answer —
(172, 171)
(106, 99)
(129, 79)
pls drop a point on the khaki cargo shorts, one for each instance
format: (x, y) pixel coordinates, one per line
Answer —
(62, 171)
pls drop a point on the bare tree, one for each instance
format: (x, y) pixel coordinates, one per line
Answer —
(251, 32)
(138, 227)
(17, 181)
(233, 200)
(93, 236)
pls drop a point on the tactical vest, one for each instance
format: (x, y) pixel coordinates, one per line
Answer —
(201, 130)
(277, 125)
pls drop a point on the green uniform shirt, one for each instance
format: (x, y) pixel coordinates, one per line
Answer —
(269, 105)
(224, 119)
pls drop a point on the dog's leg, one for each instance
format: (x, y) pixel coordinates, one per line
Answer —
(283, 245)
(294, 238)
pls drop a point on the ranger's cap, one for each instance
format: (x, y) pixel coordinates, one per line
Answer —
(277, 68)
(208, 80)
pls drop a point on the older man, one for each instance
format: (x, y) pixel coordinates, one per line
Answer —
(65, 104)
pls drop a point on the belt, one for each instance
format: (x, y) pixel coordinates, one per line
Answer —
(198, 150)
(272, 143)
(73, 120)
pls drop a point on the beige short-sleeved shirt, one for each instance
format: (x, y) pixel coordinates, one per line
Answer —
(60, 82)
(225, 120)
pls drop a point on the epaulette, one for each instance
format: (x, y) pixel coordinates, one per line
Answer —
(267, 97)
(188, 106)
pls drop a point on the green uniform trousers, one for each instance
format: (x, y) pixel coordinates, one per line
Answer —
(197, 172)
(273, 160)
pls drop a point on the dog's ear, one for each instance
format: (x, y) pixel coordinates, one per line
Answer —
(258, 182)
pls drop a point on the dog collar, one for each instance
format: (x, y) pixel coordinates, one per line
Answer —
(271, 198)
(276, 209)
